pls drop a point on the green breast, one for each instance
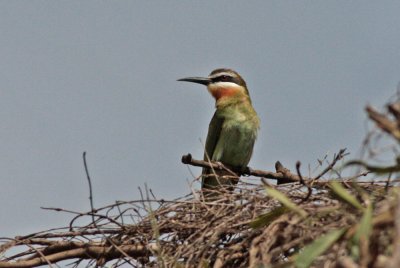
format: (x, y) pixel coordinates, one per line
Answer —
(238, 134)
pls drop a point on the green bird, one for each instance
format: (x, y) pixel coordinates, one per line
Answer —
(232, 131)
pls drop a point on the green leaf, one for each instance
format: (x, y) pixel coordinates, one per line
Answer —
(319, 246)
(344, 195)
(284, 200)
(268, 217)
(364, 230)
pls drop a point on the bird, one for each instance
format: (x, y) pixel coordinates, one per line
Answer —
(232, 131)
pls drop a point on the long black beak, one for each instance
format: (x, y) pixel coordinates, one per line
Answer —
(198, 80)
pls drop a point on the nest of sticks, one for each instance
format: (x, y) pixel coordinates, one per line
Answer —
(244, 228)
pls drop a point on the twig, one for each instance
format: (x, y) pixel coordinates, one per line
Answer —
(336, 158)
(79, 250)
(383, 122)
(280, 176)
(102, 259)
(309, 189)
(90, 187)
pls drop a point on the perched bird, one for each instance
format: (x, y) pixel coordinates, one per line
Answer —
(232, 130)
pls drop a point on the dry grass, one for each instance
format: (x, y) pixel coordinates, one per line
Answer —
(189, 232)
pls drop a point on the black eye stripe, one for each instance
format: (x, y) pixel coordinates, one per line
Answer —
(224, 78)
(230, 76)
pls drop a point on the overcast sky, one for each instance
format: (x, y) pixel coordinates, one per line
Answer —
(100, 77)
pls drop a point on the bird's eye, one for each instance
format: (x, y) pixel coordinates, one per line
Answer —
(224, 78)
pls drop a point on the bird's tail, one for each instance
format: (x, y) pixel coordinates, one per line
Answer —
(215, 183)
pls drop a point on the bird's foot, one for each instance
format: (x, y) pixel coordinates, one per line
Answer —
(219, 164)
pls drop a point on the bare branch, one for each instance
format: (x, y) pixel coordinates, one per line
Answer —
(387, 125)
(282, 175)
(65, 251)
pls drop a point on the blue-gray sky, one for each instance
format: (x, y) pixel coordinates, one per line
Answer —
(100, 76)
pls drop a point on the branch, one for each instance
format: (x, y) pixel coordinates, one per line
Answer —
(69, 250)
(342, 153)
(387, 125)
(282, 174)
(394, 109)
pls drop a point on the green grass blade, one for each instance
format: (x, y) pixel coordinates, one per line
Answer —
(268, 217)
(284, 200)
(344, 195)
(363, 232)
(319, 246)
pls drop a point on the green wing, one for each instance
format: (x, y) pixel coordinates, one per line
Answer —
(214, 132)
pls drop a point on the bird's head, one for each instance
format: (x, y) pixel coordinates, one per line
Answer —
(222, 83)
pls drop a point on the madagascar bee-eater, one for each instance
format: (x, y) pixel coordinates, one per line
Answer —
(232, 130)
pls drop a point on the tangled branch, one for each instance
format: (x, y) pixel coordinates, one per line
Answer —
(188, 231)
(282, 174)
